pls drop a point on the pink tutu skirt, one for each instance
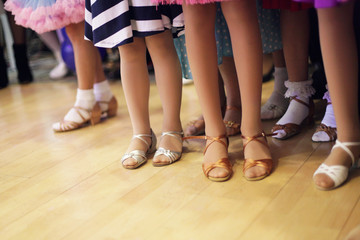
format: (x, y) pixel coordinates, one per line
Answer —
(323, 3)
(189, 1)
(46, 15)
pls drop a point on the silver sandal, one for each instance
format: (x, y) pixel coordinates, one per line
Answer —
(173, 156)
(139, 155)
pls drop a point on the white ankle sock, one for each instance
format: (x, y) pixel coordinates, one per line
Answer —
(84, 99)
(276, 105)
(328, 120)
(103, 93)
(296, 112)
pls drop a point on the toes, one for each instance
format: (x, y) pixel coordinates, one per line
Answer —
(279, 134)
(255, 172)
(320, 137)
(161, 160)
(323, 181)
(218, 173)
(130, 162)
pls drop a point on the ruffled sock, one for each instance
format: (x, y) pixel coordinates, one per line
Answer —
(277, 104)
(103, 93)
(296, 112)
(85, 99)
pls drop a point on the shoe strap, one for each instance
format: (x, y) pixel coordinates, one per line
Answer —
(233, 108)
(255, 138)
(212, 139)
(140, 137)
(300, 101)
(174, 134)
(337, 173)
(78, 111)
(344, 146)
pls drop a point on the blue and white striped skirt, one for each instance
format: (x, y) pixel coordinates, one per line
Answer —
(111, 23)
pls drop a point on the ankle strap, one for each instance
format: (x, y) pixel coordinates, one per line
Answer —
(174, 134)
(212, 139)
(233, 108)
(140, 137)
(255, 138)
(299, 101)
(344, 146)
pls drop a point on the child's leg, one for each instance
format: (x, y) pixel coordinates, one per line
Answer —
(277, 104)
(201, 48)
(51, 40)
(169, 82)
(135, 82)
(85, 55)
(245, 36)
(340, 60)
(295, 35)
(232, 117)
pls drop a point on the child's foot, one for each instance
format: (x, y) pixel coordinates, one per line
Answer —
(326, 131)
(333, 176)
(59, 71)
(170, 148)
(140, 146)
(275, 106)
(232, 120)
(300, 110)
(258, 161)
(195, 127)
(216, 165)
(85, 110)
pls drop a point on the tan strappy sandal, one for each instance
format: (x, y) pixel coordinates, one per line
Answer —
(292, 129)
(172, 156)
(139, 155)
(221, 163)
(195, 127)
(95, 115)
(111, 109)
(232, 124)
(249, 163)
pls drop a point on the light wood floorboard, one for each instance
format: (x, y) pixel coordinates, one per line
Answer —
(72, 186)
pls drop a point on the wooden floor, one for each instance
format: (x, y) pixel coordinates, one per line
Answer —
(71, 185)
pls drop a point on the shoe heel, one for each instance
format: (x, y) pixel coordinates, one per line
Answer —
(95, 114)
(113, 106)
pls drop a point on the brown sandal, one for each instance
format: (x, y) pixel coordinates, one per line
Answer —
(112, 107)
(221, 163)
(95, 115)
(249, 163)
(232, 124)
(292, 129)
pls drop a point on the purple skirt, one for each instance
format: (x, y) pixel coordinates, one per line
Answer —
(323, 3)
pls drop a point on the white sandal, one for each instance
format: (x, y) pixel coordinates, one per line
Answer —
(139, 155)
(338, 173)
(173, 156)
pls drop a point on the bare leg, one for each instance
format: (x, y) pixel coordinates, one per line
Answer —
(295, 36)
(201, 48)
(87, 57)
(340, 60)
(169, 83)
(228, 73)
(246, 42)
(135, 82)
